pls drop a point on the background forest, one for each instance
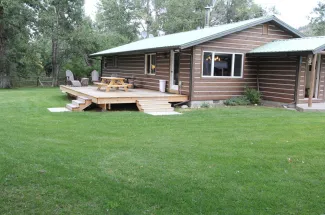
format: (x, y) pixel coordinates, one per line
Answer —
(43, 38)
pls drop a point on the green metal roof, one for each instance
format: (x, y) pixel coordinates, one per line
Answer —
(190, 38)
(306, 44)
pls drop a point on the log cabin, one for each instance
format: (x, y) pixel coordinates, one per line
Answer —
(216, 63)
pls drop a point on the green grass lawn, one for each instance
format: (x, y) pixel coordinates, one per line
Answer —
(215, 161)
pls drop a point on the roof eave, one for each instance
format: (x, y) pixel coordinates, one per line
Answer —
(319, 49)
(142, 51)
(284, 53)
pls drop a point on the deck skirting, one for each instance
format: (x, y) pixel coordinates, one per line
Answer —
(119, 96)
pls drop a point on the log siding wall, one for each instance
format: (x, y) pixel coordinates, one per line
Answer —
(302, 82)
(220, 88)
(216, 88)
(184, 71)
(277, 78)
(134, 65)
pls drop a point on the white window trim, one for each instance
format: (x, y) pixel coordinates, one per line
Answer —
(145, 63)
(232, 65)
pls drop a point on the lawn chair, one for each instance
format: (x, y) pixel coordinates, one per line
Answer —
(94, 76)
(70, 79)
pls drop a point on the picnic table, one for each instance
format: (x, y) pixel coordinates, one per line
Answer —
(112, 82)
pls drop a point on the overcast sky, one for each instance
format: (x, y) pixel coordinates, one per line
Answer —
(293, 12)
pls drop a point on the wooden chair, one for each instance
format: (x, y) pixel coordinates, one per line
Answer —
(70, 79)
(94, 76)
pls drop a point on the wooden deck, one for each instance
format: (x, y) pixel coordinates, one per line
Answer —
(119, 96)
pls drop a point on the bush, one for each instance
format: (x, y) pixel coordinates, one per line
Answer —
(253, 95)
(242, 100)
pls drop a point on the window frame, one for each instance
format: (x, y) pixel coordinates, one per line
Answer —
(115, 61)
(146, 63)
(232, 65)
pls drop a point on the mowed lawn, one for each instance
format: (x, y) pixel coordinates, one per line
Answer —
(243, 160)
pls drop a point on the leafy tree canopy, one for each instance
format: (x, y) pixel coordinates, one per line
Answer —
(317, 20)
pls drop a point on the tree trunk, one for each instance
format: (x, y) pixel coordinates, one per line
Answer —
(55, 50)
(4, 71)
(55, 64)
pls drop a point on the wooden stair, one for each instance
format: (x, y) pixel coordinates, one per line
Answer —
(80, 104)
(157, 105)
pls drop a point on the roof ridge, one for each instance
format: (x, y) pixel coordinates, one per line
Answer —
(151, 38)
(185, 39)
(302, 38)
(215, 26)
(261, 17)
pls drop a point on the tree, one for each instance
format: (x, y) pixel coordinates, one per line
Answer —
(16, 24)
(182, 15)
(228, 11)
(317, 20)
(118, 17)
(173, 16)
(57, 21)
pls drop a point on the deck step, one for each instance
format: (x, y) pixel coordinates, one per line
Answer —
(156, 106)
(78, 102)
(155, 103)
(159, 105)
(159, 110)
(72, 107)
(84, 98)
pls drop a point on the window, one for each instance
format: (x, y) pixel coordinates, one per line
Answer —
(110, 62)
(115, 61)
(150, 64)
(222, 65)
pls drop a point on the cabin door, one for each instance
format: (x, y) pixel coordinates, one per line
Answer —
(174, 70)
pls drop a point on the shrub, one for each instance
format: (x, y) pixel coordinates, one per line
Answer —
(242, 100)
(253, 95)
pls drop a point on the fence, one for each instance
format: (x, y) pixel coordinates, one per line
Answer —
(33, 81)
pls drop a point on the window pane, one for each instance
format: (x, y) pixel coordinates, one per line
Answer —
(148, 64)
(153, 64)
(238, 65)
(222, 64)
(207, 60)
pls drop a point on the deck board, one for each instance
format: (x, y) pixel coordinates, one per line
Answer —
(120, 96)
